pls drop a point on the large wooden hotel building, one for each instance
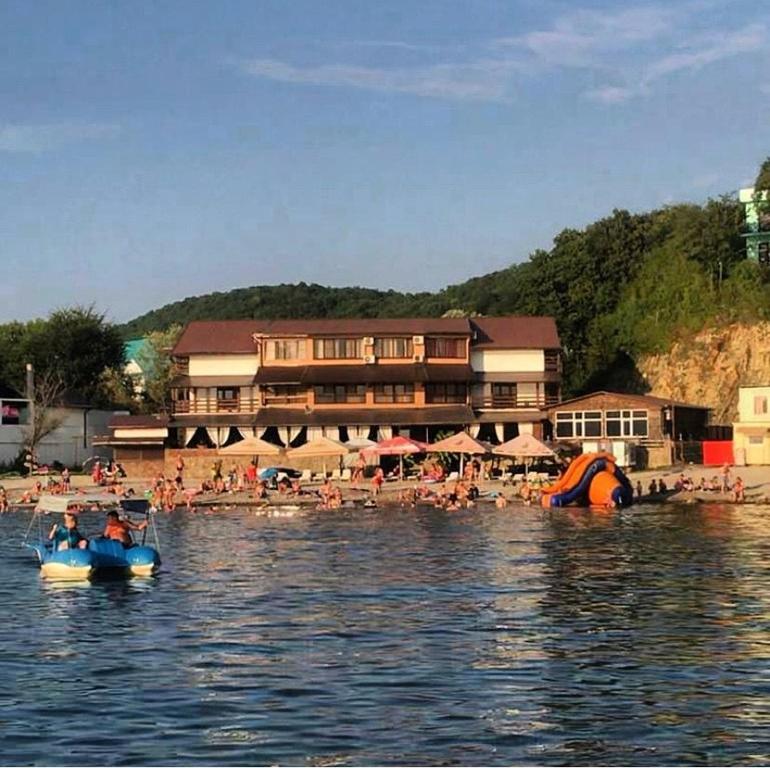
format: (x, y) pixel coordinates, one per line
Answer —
(289, 381)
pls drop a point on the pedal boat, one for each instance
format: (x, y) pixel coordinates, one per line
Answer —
(103, 557)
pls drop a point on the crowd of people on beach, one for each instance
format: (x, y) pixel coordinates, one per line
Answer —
(432, 486)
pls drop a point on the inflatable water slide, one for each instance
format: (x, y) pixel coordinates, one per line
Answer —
(592, 479)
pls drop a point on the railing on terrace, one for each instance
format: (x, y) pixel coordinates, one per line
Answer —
(213, 405)
(514, 402)
(268, 400)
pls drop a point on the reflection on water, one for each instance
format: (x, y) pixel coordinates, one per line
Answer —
(397, 636)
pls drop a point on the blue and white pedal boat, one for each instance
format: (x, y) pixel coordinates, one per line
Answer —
(102, 557)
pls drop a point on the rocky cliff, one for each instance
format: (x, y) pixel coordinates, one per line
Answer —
(707, 369)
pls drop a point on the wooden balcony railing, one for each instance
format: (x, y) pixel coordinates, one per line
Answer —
(514, 402)
(268, 400)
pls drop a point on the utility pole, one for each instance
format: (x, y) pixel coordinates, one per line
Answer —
(30, 395)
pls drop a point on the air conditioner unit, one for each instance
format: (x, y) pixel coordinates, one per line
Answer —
(419, 358)
(368, 341)
(418, 339)
(369, 359)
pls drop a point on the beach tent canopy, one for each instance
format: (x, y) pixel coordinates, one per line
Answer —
(526, 446)
(251, 446)
(321, 447)
(461, 442)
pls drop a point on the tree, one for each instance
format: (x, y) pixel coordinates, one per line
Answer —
(155, 360)
(763, 177)
(47, 392)
(78, 344)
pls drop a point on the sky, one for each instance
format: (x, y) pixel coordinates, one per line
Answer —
(151, 151)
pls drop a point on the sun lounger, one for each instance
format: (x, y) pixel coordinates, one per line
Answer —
(336, 474)
(453, 476)
(306, 476)
(346, 474)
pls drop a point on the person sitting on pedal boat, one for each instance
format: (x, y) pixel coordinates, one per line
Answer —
(67, 535)
(120, 530)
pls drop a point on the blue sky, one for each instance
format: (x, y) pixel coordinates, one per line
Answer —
(155, 150)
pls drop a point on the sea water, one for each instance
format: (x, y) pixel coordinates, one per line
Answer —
(399, 636)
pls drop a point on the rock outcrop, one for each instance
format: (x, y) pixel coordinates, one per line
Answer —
(707, 369)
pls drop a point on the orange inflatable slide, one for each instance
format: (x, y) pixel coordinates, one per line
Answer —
(592, 479)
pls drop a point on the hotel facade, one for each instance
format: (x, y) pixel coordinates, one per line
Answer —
(289, 381)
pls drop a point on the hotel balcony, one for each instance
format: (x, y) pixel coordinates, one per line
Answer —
(502, 402)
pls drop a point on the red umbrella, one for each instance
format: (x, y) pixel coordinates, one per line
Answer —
(397, 446)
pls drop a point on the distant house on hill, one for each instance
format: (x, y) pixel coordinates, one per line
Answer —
(70, 443)
(139, 363)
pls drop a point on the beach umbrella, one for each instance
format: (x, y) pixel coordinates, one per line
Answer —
(321, 447)
(250, 446)
(525, 446)
(396, 446)
(461, 443)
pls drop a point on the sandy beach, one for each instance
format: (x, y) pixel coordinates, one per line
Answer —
(755, 478)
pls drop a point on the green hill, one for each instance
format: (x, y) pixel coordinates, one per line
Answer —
(626, 285)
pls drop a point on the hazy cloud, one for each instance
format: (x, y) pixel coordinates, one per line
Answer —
(632, 48)
(482, 80)
(46, 137)
(700, 53)
(610, 94)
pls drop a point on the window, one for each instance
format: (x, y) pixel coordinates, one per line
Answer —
(760, 405)
(756, 440)
(336, 349)
(627, 423)
(551, 360)
(284, 394)
(394, 393)
(446, 393)
(504, 395)
(579, 424)
(285, 349)
(227, 398)
(340, 393)
(13, 412)
(396, 347)
(438, 347)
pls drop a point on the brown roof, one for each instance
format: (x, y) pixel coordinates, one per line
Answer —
(374, 326)
(212, 381)
(508, 417)
(235, 336)
(224, 337)
(649, 400)
(126, 421)
(363, 374)
(516, 332)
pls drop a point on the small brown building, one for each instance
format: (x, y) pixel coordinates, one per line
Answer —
(640, 430)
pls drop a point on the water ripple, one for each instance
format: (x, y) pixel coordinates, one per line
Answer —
(396, 637)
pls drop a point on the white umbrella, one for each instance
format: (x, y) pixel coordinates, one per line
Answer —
(526, 446)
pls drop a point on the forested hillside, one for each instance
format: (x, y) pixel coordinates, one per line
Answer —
(626, 285)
